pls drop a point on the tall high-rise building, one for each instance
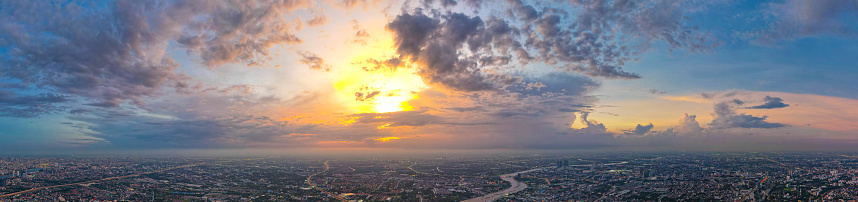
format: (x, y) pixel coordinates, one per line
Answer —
(562, 163)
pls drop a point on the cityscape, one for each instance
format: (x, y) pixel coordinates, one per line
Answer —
(516, 177)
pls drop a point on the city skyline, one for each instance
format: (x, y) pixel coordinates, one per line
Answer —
(371, 75)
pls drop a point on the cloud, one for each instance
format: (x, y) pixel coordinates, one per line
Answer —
(536, 97)
(435, 45)
(639, 130)
(475, 4)
(726, 117)
(737, 101)
(592, 127)
(313, 61)
(317, 21)
(351, 4)
(116, 52)
(30, 106)
(554, 83)
(369, 96)
(486, 70)
(79, 111)
(688, 125)
(235, 32)
(395, 119)
(523, 11)
(771, 103)
(361, 35)
(466, 109)
(240, 89)
(444, 3)
(201, 132)
(656, 92)
(459, 52)
(794, 19)
(389, 64)
(231, 119)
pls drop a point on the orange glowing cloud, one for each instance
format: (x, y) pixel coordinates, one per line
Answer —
(297, 135)
(385, 139)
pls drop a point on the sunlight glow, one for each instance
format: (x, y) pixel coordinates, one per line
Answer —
(382, 90)
(385, 139)
(384, 126)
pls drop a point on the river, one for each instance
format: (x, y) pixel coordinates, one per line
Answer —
(516, 187)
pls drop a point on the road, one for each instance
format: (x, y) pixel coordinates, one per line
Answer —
(516, 187)
(310, 181)
(94, 181)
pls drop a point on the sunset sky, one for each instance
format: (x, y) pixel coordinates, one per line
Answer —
(601, 75)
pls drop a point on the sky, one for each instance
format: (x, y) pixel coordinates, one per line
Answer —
(355, 75)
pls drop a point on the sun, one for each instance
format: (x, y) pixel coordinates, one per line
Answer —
(367, 89)
(366, 82)
(380, 91)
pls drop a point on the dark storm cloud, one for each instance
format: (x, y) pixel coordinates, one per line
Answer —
(595, 40)
(726, 117)
(29, 106)
(639, 130)
(116, 52)
(771, 103)
(436, 44)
